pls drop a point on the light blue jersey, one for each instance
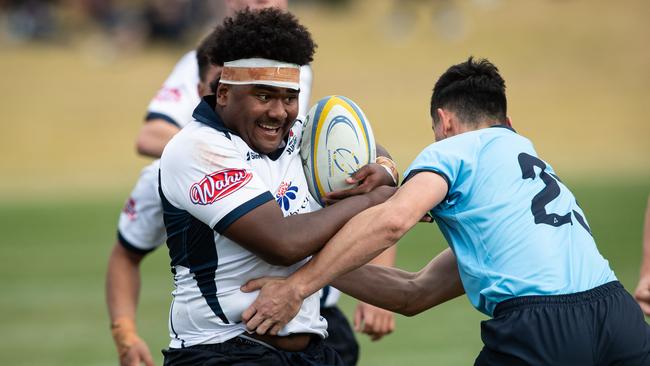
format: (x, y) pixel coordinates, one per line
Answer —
(515, 228)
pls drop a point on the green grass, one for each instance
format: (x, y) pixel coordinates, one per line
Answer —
(54, 256)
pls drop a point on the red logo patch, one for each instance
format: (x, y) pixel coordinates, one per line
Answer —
(218, 185)
(167, 94)
(129, 209)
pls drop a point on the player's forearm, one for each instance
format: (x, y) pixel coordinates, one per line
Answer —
(381, 151)
(435, 284)
(405, 292)
(377, 285)
(361, 239)
(307, 234)
(122, 284)
(386, 258)
(645, 264)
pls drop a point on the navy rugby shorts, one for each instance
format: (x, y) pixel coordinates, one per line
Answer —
(246, 352)
(602, 326)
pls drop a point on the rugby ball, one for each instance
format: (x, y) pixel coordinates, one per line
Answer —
(336, 141)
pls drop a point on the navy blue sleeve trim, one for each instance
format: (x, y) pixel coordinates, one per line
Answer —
(152, 115)
(416, 171)
(242, 210)
(130, 247)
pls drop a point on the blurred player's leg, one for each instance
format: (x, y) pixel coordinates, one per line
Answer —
(340, 335)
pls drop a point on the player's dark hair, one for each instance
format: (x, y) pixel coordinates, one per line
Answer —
(473, 90)
(267, 33)
(203, 55)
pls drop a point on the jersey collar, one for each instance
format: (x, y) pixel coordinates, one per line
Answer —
(206, 114)
(504, 126)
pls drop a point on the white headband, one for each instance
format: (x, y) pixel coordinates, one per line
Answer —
(261, 71)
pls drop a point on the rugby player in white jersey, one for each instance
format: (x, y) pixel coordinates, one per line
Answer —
(220, 180)
(141, 229)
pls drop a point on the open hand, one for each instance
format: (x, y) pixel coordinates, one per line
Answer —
(276, 304)
(367, 178)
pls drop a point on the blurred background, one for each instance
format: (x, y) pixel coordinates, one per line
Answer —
(76, 77)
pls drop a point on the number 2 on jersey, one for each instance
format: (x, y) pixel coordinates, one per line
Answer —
(551, 191)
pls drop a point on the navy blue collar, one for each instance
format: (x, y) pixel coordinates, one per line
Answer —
(504, 126)
(206, 114)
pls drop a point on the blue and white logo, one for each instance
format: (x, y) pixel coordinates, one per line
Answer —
(286, 194)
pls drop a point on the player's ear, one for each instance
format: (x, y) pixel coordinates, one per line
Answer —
(444, 118)
(508, 122)
(223, 92)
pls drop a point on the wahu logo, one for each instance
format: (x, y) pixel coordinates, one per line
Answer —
(219, 185)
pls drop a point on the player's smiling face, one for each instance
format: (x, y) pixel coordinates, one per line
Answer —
(261, 115)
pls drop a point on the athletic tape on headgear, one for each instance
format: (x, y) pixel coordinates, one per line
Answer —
(261, 71)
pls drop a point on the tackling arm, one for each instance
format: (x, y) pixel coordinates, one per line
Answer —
(360, 240)
(405, 292)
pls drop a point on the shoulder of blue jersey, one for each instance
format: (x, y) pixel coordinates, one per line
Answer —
(337, 141)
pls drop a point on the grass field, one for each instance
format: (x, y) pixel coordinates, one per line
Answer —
(52, 305)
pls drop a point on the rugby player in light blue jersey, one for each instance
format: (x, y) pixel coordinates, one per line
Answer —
(520, 245)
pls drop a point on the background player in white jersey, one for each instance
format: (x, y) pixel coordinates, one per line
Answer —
(141, 229)
(242, 150)
(521, 247)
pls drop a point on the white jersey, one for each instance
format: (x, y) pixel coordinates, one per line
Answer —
(209, 178)
(179, 94)
(140, 228)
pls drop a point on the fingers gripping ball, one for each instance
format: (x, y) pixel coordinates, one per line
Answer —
(337, 141)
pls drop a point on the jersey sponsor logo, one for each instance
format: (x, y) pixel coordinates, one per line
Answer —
(303, 206)
(291, 143)
(286, 194)
(129, 209)
(218, 185)
(166, 94)
(252, 155)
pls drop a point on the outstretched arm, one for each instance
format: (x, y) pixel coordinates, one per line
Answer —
(360, 240)
(122, 290)
(642, 293)
(405, 292)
